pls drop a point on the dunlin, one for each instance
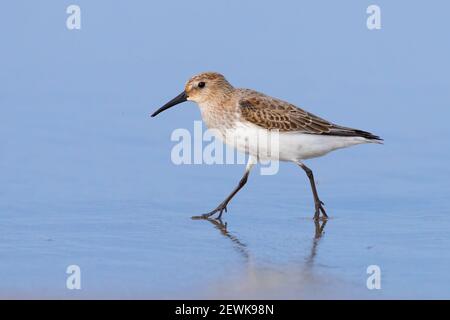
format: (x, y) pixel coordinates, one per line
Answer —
(239, 115)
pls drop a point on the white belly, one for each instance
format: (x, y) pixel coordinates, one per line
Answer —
(284, 146)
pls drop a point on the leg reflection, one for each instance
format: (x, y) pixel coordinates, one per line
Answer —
(319, 230)
(319, 227)
(222, 227)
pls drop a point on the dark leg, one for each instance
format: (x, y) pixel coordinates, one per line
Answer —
(318, 204)
(223, 206)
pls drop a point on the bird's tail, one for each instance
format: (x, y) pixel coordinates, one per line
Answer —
(369, 136)
(350, 132)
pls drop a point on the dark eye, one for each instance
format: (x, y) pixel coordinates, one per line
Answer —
(201, 84)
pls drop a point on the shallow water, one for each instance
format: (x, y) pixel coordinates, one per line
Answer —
(112, 202)
(87, 179)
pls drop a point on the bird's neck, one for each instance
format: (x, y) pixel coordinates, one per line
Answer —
(219, 113)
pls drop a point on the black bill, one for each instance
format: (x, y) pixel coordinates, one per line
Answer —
(182, 97)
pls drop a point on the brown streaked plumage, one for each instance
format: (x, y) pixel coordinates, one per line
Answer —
(241, 114)
(271, 113)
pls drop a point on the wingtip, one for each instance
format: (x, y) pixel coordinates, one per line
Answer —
(376, 139)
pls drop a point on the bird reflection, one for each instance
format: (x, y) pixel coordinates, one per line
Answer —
(319, 230)
(238, 244)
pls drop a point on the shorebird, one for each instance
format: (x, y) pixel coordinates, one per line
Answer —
(238, 115)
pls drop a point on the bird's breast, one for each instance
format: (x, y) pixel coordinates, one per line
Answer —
(217, 117)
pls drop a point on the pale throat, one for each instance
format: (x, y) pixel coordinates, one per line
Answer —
(217, 115)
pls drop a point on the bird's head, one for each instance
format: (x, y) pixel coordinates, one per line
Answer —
(201, 88)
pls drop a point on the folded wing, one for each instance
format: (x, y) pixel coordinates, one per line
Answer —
(275, 114)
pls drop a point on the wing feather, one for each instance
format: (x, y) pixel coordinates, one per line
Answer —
(275, 114)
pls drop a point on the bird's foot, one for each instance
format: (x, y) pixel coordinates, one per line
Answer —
(320, 209)
(220, 209)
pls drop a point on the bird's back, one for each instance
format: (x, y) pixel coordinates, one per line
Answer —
(275, 114)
